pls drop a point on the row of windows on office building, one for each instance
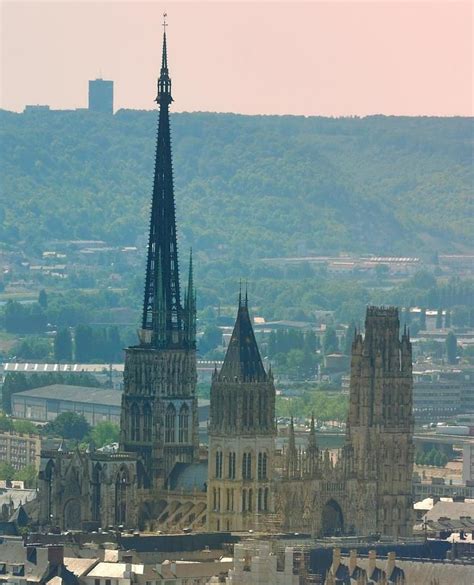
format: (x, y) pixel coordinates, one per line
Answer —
(247, 500)
(247, 474)
(176, 423)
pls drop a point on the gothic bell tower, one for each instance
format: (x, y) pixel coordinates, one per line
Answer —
(159, 419)
(241, 435)
(379, 441)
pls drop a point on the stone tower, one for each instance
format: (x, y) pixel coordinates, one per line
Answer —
(241, 435)
(159, 406)
(379, 441)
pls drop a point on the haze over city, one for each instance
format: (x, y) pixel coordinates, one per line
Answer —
(313, 58)
(237, 348)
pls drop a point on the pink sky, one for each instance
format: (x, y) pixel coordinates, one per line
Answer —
(314, 58)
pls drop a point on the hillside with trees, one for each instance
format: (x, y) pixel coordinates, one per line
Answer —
(247, 186)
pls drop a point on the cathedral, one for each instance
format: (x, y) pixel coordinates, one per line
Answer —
(160, 478)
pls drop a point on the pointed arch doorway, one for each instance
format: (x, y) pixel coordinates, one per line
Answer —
(332, 521)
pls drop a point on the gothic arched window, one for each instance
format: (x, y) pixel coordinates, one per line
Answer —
(170, 424)
(250, 424)
(244, 500)
(49, 479)
(260, 409)
(147, 422)
(247, 466)
(183, 424)
(262, 466)
(260, 500)
(245, 413)
(232, 465)
(135, 422)
(96, 492)
(219, 464)
(121, 487)
(265, 500)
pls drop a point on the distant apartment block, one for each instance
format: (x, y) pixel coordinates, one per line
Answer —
(20, 450)
(36, 108)
(46, 403)
(101, 96)
(438, 395)
(468, 463)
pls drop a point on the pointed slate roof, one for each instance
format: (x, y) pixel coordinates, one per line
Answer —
(242, 361)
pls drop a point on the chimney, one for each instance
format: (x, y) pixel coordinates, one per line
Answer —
(372, 562)
(352, 561)
(55, 555)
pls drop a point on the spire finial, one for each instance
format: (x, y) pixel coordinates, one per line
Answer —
(164, 58)
(246, 294)
(240, 293)
(164, 81)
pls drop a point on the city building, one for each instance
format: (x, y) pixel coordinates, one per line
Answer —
(29, 109)
(20, 449)
(468, 463)
(20, 564)
(46, 403)
(101, 96)
(441, 393)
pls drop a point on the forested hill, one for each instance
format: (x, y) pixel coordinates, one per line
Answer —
(246, 186)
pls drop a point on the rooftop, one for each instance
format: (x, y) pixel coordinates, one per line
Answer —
(103, 396)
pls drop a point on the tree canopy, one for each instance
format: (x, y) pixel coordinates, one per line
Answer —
(249, 186)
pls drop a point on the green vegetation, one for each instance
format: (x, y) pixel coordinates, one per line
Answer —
(249, 190)
(105, 433)
(323, 183)
(28, 474)
(451, 347)
(68, 425)
(323, 404)
(294, 353)
(435, 457)
(63, 347)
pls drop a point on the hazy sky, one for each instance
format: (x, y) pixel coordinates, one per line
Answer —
(315, 58)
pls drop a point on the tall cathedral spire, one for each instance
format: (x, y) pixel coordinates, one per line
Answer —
(163, 323)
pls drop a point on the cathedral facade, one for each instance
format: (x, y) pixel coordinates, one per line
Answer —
(366, 487)
(159, 480)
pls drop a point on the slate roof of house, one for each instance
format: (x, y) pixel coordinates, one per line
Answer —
(79, 566)
(451, 510)
(114, 570)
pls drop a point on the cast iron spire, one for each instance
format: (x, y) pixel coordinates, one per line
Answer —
(163, 318)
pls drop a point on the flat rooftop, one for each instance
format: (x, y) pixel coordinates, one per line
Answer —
(86, 394)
